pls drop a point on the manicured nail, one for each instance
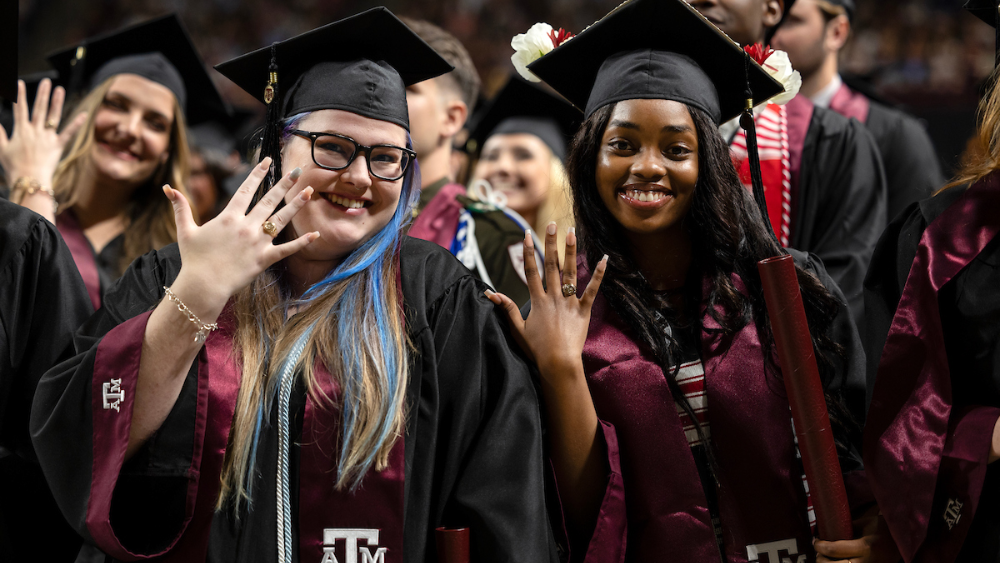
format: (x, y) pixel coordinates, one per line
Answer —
(489, 294)
(166, 192)
(527, 239)
(571, 231)
(571, 236)
(306, 193)
(294, 174)
(551, 228)
(316, 235)
(265, 163)
(605, 259)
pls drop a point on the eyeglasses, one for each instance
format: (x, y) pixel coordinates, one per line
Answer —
(337, 152)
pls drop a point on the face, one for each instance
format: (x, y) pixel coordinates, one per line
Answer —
(745, 21)
(201, 186)
(519, 165)
(803, 37)
(427, 114)
(132, 129)
(647, 166)
(348, 206)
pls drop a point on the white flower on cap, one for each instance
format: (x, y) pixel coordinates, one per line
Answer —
(780, 68)
(531, 46)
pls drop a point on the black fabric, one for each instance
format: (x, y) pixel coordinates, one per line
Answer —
(985, 10)
(706, 68)
(42, 302)
(969, 306)
(8, 46)
(360, 64)
(497, 236)
(841, 202)
(473, 428)
(92, 60)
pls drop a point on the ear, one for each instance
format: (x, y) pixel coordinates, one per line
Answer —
(773, 11)
(454, 117)
(837, 32)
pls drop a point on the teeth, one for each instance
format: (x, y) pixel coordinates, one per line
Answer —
(639, 195)
(349, 203)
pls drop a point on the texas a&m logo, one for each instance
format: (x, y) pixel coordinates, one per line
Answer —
(952, 513)
(784, 551)
(344, 541)
(113, 394)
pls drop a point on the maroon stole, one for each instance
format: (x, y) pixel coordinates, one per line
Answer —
(83, 254)
(926, 462)
(371, 518)
(849, 103)
(762, 500)
(438, 222)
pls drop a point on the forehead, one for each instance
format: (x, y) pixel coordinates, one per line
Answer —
(144, 92)
(651, 115)
(364, 130)
(514, 140)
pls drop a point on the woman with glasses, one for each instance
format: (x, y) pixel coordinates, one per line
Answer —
(295, 380)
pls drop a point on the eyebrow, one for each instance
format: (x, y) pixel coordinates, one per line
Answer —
(131, 101)
(665, 129)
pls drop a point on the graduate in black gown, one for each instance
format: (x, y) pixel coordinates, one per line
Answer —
(933, 432)
(813, 34)
(334, 394)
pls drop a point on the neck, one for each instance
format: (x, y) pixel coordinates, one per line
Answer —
(99, 199)
(815, 82)
(664, 259)
(435, 164)
(302, 273)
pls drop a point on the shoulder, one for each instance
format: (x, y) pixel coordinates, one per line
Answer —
(932, 207)
(428, 272)
(827, 124)
(21, 228)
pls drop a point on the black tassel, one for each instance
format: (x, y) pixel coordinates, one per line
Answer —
(77, 66)
(747, 122)
(270, 141)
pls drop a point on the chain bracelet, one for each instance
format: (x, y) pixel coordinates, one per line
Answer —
(203, 328)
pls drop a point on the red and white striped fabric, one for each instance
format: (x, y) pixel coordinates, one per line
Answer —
(775, 166)
(691, 381)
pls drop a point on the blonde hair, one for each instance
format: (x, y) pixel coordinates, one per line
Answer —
(150, 217)
(982, 155)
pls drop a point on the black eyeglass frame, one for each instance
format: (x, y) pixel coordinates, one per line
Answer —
(358, 149)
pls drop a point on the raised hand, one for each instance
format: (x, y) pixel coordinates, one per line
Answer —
(225, 254)
(35, 146)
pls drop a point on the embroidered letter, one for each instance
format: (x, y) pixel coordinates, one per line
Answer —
(113, 390)
(952, 512)
(366, 556)
(328, 556)
(351, 548)
(774, 550)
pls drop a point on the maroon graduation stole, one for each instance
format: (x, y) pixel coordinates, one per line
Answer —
(849, 103)
(83, 254)
(906, 444)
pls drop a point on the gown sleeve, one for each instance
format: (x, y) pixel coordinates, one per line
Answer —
(80, 424)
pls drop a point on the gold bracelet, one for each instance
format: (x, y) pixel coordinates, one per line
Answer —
(31, 186)
(203, 328)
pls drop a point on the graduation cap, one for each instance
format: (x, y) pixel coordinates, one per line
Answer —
(8, 46)
(159, 50)
(361, 64)
(989, 12)
(522, 107)
(666, 50)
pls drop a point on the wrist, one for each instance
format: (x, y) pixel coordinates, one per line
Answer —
(561, 374)
(202, 297)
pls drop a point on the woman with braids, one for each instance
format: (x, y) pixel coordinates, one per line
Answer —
(669, 430)
(932, 438)
(99, 179)
(295, 380)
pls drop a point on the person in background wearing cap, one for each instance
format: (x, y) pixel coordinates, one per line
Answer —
(99, 179)
(439, 108)
(932, 438)
(812, 35)
(668, 438)
(822, 173)
(296, 380)
(522, 138)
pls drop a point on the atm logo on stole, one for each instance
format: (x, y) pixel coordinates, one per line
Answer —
(352, 552)
(112, 394)
(784, 551)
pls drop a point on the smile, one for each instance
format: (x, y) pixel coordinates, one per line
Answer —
(644, 196)
(345, 202)
(123, 154)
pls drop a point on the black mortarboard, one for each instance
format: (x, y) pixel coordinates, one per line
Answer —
(989, 12)
(159, 50)
(522, 107)
(659, 49)
(8, 46)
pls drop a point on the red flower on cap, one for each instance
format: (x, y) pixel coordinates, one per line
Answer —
(759, 52)
(559, 37)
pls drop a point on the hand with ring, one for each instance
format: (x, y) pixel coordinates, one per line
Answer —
(225, 254)
(873, 543)
(34, 147)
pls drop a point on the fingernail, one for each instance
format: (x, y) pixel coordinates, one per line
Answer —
(266, 162)
(605, 259)
(571, 231)
(166, 192)
(528, 240)
(551, 228)
(294, 174)
(489, 294)
(571, 236)
(316, 235)
(306, 193)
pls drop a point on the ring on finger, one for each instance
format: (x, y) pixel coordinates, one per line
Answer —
(52, 124)
(270, 229)
(568, 290)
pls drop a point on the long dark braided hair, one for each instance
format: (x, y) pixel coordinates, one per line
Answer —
(728, 236)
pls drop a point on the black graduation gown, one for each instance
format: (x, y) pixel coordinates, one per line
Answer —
(473, 445)
(969, 307)
(42, 302)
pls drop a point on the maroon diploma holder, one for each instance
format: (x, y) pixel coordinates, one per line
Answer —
(452, 545)
(805, 395)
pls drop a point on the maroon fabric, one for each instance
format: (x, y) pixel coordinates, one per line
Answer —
(438, 221)
(761, 496)
(118, 356)
(328, 518)
(83, 254)
(452, 545)
(849, 103)
(918, 453)
(794, 347)
(799, 111)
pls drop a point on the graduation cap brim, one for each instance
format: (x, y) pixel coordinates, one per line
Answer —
(985, 10)
(8, 46)
(375, 34)
(672, 26)
(164, 35)
(520, 98)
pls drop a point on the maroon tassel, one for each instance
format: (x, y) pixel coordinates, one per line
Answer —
(452, 545)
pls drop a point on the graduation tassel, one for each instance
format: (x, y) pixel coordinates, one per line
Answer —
(747, 122)
(270, 142)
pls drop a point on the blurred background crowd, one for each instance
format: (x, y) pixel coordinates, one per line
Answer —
(926, 56)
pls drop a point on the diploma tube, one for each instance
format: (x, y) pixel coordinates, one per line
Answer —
(452, 545)
(805, 395)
